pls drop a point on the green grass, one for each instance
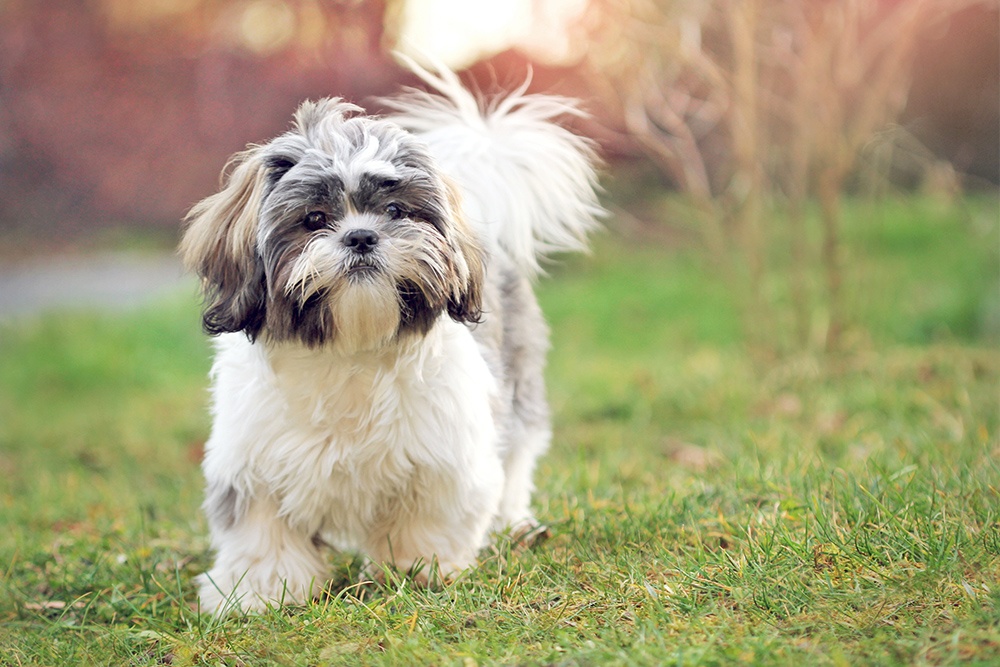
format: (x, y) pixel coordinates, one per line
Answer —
(708, 506)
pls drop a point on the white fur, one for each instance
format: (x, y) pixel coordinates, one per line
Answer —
(336, 437)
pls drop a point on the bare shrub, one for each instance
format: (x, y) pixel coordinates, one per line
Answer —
(754, 109)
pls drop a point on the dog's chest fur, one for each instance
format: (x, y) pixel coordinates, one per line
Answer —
(342, 443)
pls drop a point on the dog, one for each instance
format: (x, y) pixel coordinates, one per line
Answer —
(378, 378)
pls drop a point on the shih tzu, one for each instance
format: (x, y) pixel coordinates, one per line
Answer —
(378, 379)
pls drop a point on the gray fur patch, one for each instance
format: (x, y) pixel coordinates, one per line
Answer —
(514, 340)
(223, 506)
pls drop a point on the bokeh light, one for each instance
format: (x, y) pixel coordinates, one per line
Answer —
(460, 32)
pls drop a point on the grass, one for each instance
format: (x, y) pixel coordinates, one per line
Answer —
(708, 506)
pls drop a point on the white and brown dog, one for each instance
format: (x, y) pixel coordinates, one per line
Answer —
(378, 380)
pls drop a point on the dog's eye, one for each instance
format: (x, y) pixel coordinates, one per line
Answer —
(314, 220)
(395, 211)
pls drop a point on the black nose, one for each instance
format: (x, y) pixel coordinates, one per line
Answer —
(361, 240)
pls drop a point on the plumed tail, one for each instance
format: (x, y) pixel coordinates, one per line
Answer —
(528, 184)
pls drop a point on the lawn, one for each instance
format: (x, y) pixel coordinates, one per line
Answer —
(709, 503)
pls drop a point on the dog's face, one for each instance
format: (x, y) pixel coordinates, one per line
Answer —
(339, 232)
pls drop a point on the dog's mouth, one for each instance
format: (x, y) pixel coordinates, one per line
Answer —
(363, 270)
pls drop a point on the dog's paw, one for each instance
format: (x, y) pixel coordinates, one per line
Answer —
(421, 573)
(526, 534)
(245, 596)
(530, 536)
(217, 599)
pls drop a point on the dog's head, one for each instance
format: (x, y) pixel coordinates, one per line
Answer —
(339, 231)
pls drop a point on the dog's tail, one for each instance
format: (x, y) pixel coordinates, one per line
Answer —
(528, 184)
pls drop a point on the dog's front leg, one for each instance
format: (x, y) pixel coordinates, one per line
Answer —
(441, 528)
(260, 559)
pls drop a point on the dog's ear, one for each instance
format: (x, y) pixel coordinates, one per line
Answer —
(219, 245)
(465, 304)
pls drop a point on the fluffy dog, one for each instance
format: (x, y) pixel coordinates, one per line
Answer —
(378, 379)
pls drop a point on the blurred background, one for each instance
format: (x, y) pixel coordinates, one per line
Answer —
(715, 117)
(114, 112)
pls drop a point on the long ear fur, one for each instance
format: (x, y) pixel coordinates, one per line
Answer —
(466, 301)
(219, 245)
